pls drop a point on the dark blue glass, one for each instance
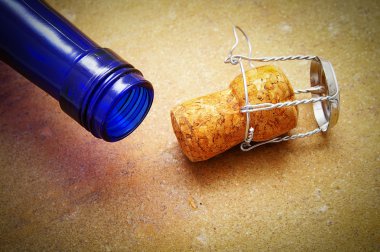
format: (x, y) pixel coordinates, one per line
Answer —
(101, 91)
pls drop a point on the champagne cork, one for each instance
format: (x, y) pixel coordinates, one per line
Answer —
(211, 124)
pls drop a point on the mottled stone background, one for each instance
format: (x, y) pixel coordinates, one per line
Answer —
(61, 189)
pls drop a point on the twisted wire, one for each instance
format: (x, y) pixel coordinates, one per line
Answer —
(234, 59)
(315, 89)
(247, 146)
(248, 116)
(283, 58)
(269, 106)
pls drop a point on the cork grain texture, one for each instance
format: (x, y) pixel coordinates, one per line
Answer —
(211, 124)
(64, 190)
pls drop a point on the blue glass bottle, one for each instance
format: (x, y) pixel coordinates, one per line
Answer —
(101, 91)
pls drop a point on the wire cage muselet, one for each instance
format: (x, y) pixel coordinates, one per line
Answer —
(323, 88)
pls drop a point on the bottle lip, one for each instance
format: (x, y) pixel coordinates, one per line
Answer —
(127, 110)
(119, 105)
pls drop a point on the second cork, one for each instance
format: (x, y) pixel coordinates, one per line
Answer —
(209, 125)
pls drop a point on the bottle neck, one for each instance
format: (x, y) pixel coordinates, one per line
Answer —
(105, 94)
(102, 92)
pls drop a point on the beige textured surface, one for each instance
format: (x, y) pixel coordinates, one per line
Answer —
(209, 125)
(62, 189)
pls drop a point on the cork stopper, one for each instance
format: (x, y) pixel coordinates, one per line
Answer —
(209, 125)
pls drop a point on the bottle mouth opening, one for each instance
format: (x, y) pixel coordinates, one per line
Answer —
(127, 113)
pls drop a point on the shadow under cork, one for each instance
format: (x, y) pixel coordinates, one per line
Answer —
(260, 164)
